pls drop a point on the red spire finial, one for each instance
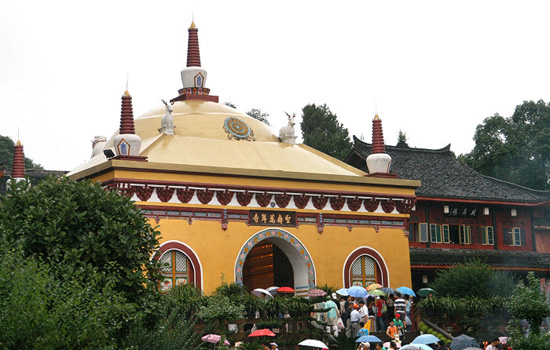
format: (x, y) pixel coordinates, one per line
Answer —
(377, 136)
(127, 115)
(193, 52)
(18, 168)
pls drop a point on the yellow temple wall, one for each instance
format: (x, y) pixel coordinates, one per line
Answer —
(218, 250)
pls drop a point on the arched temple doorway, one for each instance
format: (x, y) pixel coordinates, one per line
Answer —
(267, 265)
(275, 257)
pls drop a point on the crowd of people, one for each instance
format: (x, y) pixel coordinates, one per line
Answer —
(360, 316)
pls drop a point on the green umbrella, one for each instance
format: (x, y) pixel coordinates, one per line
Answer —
(377, 292)
(424, 292)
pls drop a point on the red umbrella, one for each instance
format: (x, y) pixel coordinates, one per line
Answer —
(285, 290)
(262, 333)
(316, 293)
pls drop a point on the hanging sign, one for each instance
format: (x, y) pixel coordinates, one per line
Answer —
(271, 218)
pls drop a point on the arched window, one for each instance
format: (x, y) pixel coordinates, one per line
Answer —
(363, 271)
(176, 269)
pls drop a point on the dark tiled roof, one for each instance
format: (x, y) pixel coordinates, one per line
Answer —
(494, 258)
(443, 176)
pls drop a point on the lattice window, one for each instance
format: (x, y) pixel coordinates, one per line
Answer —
(363, 271)
(174, 269)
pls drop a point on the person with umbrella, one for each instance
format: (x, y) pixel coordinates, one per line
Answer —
(364, 346)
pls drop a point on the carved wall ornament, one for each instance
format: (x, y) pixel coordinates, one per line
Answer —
(319, 202)
(205, 196)
(263, 199)
(301, 201)
(224, 197)
(388, 206)
(165, 194)
(405, 206)
(337, 203)
(354, 203)
(244, 198)
(144, 193)
(371, 204)
(185, 194)
(282, 200)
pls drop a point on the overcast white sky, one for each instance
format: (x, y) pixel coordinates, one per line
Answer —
(434, 69)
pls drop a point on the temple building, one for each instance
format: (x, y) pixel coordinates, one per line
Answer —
(236, 202)
(461, 214)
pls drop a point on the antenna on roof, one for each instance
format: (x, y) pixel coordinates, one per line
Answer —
(127, 78)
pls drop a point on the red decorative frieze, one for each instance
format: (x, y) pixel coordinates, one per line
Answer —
(371, 204)
(388, 206)
(165, 194)
(124, 189)
(337, 203)
(319, 202)
(263, 199)
(244, 198)
(405, 206)
(282, 200)
(205, 196)
(301, 201)
(185, 194)
(144, 193)
(354, 203)
(224, 197)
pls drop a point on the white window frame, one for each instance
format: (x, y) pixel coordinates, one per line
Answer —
(515, 236)
(488, 235)
(446, 233)
(423, 235)
(435, 233)
(465, 234)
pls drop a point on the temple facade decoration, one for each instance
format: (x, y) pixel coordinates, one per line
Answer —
(233, 202)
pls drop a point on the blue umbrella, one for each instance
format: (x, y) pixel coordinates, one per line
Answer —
(369, 338)
(388, 290)
(406, 290)
(342, 291)
(357, 292)
(425, 339)
(416, 347)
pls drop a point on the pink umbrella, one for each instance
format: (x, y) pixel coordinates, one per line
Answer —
(211, 338)
(316, 293)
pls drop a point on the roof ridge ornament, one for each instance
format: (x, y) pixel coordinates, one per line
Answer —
(167, 122)
(18, 167)
(378, 162)
(127, 143)
(193, 77)
(287, 132)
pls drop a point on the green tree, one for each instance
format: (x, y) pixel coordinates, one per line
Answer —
(81, 231)
(528, 303)
(322, 131)
(257, 113)
(6, 155)
(514, 149)
(402, 140)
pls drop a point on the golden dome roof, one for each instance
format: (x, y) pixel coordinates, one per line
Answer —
(212, 135)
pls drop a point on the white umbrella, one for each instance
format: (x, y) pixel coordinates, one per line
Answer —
(273, 289)
(260, 292)
(313, 343)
